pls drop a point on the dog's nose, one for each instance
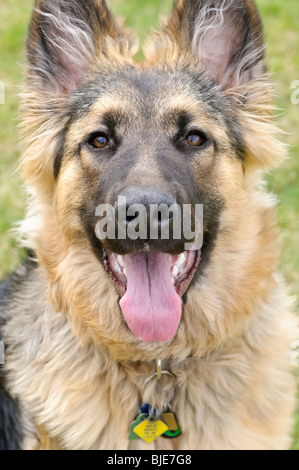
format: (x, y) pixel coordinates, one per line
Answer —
(154, 204)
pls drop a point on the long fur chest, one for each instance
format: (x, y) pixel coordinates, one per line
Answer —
(77, 397)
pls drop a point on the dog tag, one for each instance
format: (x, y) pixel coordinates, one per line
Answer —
(174, 429)
(170, 420)
(149, 429)
(173, 434)
(138, 420)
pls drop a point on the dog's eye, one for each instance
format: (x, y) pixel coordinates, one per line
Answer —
(99, 141)
(196, 139)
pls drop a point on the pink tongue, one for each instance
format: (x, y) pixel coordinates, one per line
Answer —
(151, 306)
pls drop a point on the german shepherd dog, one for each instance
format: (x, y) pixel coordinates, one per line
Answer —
(110, 340)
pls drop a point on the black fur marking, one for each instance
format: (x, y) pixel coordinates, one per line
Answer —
(12, 283)
(5, 293)
(10, 421)
(60, 153)
(210, 239)
(95, 243)
(10, 426)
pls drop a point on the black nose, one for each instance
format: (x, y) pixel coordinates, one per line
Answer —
(153, 204)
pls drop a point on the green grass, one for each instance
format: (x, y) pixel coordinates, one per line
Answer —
(281, 20)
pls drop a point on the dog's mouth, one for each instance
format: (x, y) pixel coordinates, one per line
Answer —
(151, 285)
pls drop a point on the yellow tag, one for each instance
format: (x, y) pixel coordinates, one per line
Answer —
(170, 420)
(149, 430)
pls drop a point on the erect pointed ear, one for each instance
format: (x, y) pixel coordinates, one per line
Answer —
(64, 37)
(226, 36)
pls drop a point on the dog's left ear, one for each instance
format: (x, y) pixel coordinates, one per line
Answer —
(65, 36)
(226, 36)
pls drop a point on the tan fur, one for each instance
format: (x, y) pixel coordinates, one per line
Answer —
(82, 372)
(73, 381)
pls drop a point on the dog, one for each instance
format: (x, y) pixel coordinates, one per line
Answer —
(109, 340)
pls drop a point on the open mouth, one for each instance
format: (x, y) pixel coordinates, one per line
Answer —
(151, 286)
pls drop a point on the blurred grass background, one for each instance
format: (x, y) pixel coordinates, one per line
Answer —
(281, 20)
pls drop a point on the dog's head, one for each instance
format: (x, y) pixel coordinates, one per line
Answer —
(188, 128)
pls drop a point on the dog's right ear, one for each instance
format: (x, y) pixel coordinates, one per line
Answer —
(225, 35)
(64, 37)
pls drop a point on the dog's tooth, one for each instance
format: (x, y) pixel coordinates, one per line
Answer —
(181, 260)
(117, 269)
(175, 271)
(121, 261)
(173, 280)
(125, 271)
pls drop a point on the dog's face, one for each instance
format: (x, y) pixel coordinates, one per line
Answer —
(166, 132)
(153, 141)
